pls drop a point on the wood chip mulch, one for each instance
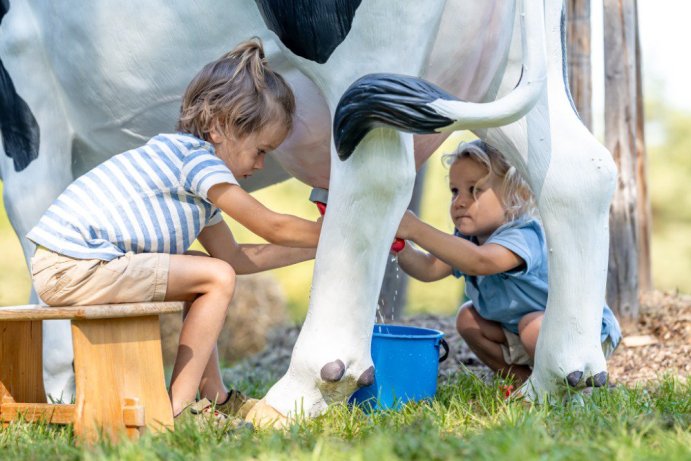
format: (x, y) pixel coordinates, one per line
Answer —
(658, 343)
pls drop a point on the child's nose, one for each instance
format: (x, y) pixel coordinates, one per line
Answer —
(459, 201)
(259, 164)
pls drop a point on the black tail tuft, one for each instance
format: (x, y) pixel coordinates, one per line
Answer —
(18, 127)
(398, 101)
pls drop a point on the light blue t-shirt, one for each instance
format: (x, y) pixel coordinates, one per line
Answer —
(506, 297)
(152, 199)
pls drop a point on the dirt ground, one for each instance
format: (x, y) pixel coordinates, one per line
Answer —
(659, 343)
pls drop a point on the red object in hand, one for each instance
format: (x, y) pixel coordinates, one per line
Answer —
(322, 207)
(396, 246)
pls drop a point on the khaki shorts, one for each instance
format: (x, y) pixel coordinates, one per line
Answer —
(515, 354)
(63, 281)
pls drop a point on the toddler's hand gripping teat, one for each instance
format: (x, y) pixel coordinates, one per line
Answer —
(321, 196)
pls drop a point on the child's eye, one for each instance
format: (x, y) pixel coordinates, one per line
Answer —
(454, 191)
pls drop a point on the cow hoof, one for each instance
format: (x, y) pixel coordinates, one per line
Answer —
(264, 416)
(598, 380)
(332, 372)
(366, 378)
(574, 378)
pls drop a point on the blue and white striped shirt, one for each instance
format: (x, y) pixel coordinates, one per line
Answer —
(152, 199)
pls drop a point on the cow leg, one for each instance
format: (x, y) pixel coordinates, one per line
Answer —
(573, 179)
(30, 189)
(574, 205)
(27, 194)
(332, 356)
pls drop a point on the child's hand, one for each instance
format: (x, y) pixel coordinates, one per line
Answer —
(405, 229)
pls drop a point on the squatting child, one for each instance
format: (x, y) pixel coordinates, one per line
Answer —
(120, 232)
(498, 246)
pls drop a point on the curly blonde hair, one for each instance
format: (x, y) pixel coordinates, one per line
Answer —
(515, 193)
(236, 94)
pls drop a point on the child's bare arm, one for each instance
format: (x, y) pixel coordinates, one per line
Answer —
(422, 265)
(277, 228)
(218, 240)
(469, 258)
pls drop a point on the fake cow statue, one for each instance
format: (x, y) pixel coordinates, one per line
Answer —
(82, 81)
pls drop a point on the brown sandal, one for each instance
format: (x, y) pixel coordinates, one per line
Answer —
(204, 414)
(237, 404)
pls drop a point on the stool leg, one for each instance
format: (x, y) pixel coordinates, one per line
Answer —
(21, 364)
(117, 362)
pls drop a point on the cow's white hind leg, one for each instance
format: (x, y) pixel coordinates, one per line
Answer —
(574, 204)
(573, 179)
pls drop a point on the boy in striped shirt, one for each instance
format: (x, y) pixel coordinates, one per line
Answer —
(120, 232)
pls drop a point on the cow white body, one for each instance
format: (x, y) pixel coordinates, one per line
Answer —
(100, 80)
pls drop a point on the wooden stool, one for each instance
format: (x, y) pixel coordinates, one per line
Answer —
(118, 367)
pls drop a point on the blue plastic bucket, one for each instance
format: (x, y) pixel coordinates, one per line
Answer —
(406, 363)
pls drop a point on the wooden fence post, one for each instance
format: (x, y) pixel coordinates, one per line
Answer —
(578, 54)
(645, 278)
(621, 126)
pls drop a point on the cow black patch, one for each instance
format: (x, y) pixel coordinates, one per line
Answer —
(309, 28)
(20, 132)
(398, 101)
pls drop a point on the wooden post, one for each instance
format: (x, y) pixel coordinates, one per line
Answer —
(578, 59)
(645, 278)
(620, 138)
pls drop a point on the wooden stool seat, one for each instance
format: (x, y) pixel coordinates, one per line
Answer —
(100, 311)
(120, 384)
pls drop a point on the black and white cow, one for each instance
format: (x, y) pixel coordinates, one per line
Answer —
(81, 81)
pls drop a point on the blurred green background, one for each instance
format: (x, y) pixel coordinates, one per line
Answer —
(669, 154)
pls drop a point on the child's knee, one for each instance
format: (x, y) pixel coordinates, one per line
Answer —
(224, 278)
(532, 321)
(465, 319)
(529, 330)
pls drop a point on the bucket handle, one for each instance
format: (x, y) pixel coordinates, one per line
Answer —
(444, 345)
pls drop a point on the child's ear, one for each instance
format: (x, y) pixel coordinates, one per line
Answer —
(215, 135)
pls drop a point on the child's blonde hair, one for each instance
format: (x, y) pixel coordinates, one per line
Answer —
(237, 94)
(515, 193)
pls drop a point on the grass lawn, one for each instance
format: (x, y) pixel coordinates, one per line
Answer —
(467, 420)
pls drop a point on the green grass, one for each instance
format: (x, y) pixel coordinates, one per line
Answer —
(466, 420)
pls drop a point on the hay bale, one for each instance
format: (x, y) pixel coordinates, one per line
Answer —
(258, 306)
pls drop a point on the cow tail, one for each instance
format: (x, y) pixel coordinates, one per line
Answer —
(18, 127)
(397, 101)
(414, 105)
